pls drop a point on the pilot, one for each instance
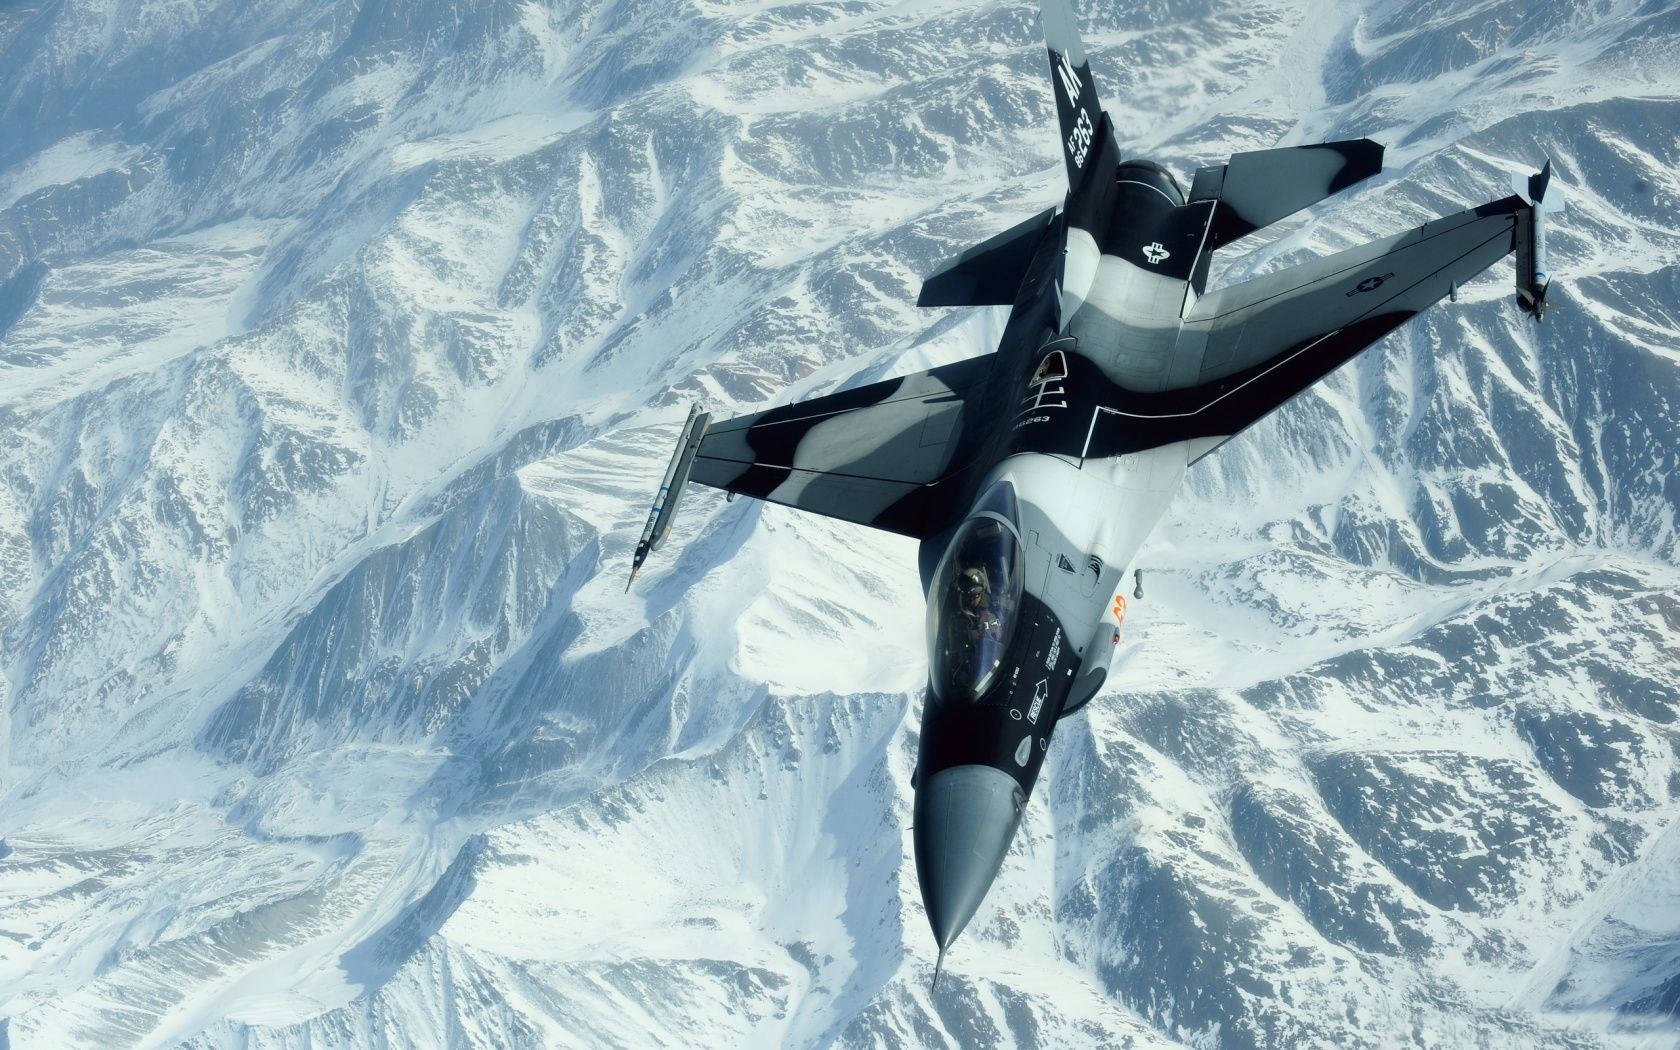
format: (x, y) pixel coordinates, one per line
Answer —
(981, 617)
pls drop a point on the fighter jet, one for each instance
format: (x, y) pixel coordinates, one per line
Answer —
(1032, 475)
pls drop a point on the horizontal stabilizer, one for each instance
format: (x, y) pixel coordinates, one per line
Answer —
(990, 273)
(1259, 188)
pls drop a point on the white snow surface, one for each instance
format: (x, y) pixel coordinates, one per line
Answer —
(341, 345)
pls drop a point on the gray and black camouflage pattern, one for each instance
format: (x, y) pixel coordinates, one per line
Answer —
(904, 454)
(1116, 369)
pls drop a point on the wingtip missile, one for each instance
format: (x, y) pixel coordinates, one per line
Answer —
(1533, 278)
(664, 509)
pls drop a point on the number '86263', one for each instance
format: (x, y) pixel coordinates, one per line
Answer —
(1080, 140)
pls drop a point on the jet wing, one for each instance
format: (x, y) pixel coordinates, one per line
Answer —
(1247, 348)
(894, 455)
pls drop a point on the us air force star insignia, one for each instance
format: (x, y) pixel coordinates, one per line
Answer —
(1155, 253)
(1369, 284)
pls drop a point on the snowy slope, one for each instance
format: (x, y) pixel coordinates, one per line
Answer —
(340, 346)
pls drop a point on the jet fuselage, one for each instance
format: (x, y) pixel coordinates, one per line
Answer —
(1075, 516)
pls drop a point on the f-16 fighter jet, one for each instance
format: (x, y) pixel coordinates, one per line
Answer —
(1032, 475)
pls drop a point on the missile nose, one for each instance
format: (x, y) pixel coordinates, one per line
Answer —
(965, 819)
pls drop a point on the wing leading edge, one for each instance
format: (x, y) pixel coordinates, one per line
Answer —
(893, 455)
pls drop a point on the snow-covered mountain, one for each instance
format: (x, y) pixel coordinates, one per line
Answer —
(341, 345)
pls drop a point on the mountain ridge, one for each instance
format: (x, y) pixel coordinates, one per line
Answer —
(338, 346)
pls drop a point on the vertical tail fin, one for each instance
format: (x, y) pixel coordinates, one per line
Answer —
(1077, 106)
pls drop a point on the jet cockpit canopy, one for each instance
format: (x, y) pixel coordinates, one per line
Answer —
(973, 603)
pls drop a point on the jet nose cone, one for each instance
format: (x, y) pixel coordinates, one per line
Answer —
(965, 819)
